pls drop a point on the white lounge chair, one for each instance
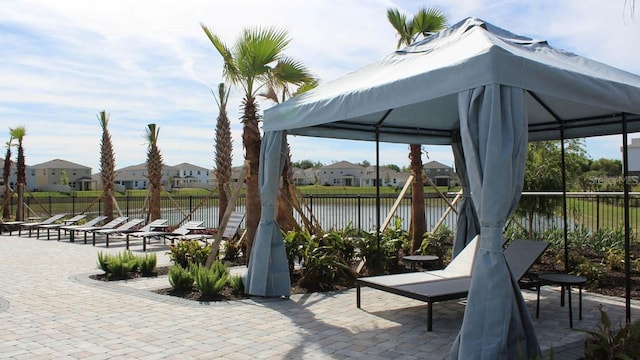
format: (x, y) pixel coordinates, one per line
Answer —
(450, 284)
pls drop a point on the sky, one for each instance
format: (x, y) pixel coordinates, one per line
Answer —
(144, 61)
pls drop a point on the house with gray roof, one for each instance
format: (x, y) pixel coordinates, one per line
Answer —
(52, 174)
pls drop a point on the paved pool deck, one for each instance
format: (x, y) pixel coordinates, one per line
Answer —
(51, 309)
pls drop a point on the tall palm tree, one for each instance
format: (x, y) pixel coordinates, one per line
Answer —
(6, 173)
(19, 133)
(423, 23)
(154, 171)
(287, 76)
(107, 166)
(248, 64)
(223, 149)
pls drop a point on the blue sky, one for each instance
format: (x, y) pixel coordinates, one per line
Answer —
(143, 61)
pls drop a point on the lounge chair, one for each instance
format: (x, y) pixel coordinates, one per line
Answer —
(90, 229)
(182, 231)
(70, 221)
(10, 226)
(122, 229)
(33, 225)
(71, 228)
(446, 284)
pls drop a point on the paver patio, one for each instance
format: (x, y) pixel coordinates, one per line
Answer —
(50, 309)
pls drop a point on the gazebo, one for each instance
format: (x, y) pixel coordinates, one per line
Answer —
(484, 91)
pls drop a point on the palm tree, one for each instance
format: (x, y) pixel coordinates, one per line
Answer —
(6, 173)
(248, 64)
(288, 72)
(223, 149)
(154, 170)
(107, 166)
(19, 133)
(424, 22)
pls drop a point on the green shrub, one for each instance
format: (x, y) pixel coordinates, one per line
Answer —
(232, 250)
(147, 264)
(210, 281)
(118, 265)
(294, 244)
(103, 259)
(121, 264)
(185, 253)
(323, 267)
(594, 272)
(180, 278)
(608, 343)
(438, 243)
(237, 284)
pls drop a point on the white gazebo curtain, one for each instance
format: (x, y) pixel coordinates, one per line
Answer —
(268, 271)
(493, 128)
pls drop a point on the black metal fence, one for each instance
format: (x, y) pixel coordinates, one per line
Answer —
(591, 210)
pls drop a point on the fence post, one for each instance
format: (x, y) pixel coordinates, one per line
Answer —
(359, 213)
(597, 212)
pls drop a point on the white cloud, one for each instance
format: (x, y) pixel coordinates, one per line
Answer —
(149, 61)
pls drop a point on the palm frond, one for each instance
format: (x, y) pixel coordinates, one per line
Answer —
(399, 22)
(427, 21)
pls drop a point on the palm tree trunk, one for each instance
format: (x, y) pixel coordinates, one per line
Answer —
(417, 197)
(6, 171)
(252, 140)
(285, 209)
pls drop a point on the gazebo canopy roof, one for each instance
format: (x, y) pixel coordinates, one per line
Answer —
(410, 96)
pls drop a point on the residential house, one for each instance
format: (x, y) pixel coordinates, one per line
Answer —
(439, 174)
(634, 157)
(388, 177)
(13, 179)
(136, 177)
(342, 173)
(308, 176)
(50, 174)
(189, 175)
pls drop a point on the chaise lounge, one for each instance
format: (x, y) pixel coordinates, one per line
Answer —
(452, 282)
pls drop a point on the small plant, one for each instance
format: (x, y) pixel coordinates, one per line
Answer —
(121, 264)
(103, 259)
(237, 284)
(185, 253)
(180, 278)
(232, 250)
(210, 281)
(147, 264)
(607, 343)
(294, 244)
(594, 272)
(118, 265)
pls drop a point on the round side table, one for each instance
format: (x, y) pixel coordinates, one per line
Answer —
(565, 281)
(413, 259)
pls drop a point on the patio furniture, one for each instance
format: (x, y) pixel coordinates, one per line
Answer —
(182, 231)
(71, 228)
(90, 229)
(32, 225)
(413, 259)
(566, 281)
(10, 226)
(126, 227)
(70, 221)
(451, 283)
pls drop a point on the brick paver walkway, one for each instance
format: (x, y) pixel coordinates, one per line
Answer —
(50, 309)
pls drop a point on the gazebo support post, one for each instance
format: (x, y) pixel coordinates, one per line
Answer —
(627, 247)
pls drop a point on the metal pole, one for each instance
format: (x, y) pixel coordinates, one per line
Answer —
(564, 203)
(378, 235)
(627, 248)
